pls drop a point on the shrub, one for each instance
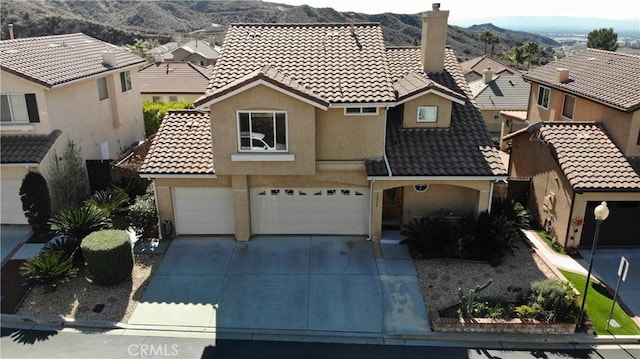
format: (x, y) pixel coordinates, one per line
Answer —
(36, 201)
(430, 238)
(132, 186)
(77, 223)
(109, 201)
(68, 178)
(556, 301)
(512, 210)
(48, 269)
(62, 246)
(154, 112)
(143, 215)
(493, 237)
(525, 312)
(109, 256)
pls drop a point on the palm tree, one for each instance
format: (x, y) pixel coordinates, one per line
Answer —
(530, 50)
(516, 56)
(485, 36)
(493, 41)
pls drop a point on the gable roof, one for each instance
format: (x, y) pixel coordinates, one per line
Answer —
(173, 77)
(200, 47)
(182, 145)
(478, 64)
(26, 149)
(340, 63)
(607, 77)
(586, 155)
(508, 92)
(59, 59)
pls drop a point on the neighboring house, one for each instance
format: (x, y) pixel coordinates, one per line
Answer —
(320, 129)
(173, 81)
(199, 52)
(580, 149)
(61, 88)
(473, 69)
(494, 94)
(161, 53)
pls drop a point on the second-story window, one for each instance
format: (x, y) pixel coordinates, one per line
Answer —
(156, 99)
(354, 111)
(19, 108)
(427, 114)
(543, 97)
(103, 90)
(125, 81)
(262, 131)
(568, 106)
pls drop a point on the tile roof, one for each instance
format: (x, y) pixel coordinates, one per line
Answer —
(518, 115)
(21, 149)
(463, 149)
(57, 59)
(603, 76)
(200, 47)
(182, 145)
(479, 64)
(341, 63)
(586, 154)
(173, 77)
(505, 92)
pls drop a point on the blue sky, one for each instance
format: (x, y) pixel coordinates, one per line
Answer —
(487, 9)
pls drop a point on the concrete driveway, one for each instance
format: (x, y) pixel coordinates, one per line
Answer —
(279, 284)
(11, 238)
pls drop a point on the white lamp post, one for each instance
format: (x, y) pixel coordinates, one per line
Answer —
(601, 212)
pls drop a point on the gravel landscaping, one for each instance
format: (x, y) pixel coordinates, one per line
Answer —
(79, 298)
(440, 278)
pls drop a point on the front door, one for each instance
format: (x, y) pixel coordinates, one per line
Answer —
(392, 207)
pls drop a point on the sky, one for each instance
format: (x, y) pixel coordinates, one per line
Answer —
(460, 10)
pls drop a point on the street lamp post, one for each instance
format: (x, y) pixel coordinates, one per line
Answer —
(601, 212)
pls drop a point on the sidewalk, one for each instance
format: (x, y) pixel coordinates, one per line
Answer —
(553, 259)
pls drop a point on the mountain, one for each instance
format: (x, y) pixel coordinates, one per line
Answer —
(122, 21)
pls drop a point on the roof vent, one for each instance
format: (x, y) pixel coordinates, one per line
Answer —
(109, 58)
(562, 75)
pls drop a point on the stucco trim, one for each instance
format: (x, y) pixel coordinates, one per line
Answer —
(176, 175)
(437, 178)
(97, 75)
(268, 157)
(431, 91)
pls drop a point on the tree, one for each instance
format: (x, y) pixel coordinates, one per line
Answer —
(516, 56)
(493, 41)
(604, 39)
(68, 178)
(530, 50)
(486, 36)
(153, 113)
(141, 46)
(36, 201)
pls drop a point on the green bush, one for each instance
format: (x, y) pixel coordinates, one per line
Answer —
(525, 312)
(512, 210)
(109, 256)
(434, 238)
(154, 112)
(132, 186)
(493, 237)
(63, 247)
(78, 223)
(48, 269)
(36, 201)
(554, 301)
(143, 215)
(109, 201)
(68, 178)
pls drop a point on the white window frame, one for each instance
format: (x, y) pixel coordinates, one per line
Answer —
(424, 118)
(542, 90)
(22, 112)
(564, 104)
(125, 81)
(361, 111)
(261, 150)
(103, 89)
(421, 187)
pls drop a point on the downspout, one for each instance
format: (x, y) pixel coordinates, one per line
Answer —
(373, 181)
(155, 200)
(384, 143)
(568, 234)
(490, 196)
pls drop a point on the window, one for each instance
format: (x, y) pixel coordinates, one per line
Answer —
(543, 97)
(156, 98)
(354, 111)
(568, 106)
(103, 90)
(173, 98)
(19, 108)
(262, 131)
(125, 81)
(427, 113)
(423, 187)
(496, 115)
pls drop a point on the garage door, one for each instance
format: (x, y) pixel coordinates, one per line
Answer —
(11, 205)
(620, 229)
(310, 211)
(203, 210)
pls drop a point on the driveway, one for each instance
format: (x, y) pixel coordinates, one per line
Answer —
(275, 284)
(11, 238)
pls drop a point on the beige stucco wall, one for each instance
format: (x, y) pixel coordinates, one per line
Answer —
(492, 125)
(301, 133)
(341, 137)
(410, 112)
(164, 97)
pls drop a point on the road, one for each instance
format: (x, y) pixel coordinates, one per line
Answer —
(19, 343)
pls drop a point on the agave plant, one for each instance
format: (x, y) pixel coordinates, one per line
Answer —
(77, 223)
(110, 201)
(48, 269)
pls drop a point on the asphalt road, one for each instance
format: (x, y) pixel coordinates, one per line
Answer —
(19, 343)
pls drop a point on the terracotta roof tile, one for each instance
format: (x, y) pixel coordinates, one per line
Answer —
(57, 59)
(26, 148)
(603, 76)
(182, 145)
(173, 77)
(338, 62)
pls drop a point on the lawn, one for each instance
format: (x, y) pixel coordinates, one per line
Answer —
(553, 245)
(599, 305)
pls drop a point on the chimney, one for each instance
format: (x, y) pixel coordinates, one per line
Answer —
(487, 75)
(11, 32)
(562, 75)
(109, 58)
(434, 38)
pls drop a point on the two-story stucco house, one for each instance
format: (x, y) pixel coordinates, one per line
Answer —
(321, 129)
(60, 88)
(583, 146)
(173, 81)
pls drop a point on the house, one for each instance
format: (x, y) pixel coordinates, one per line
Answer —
(172, 81)
(583, 146)
(199, 52)
(473, 69)
(161, 53)
(321, 129)
(494, 94)
(61, 88)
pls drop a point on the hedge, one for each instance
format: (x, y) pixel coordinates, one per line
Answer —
(109, 256)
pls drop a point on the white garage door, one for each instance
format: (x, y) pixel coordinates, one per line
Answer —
(310, 210)
(11, 205)
(203, 210)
